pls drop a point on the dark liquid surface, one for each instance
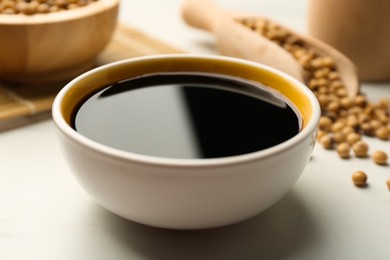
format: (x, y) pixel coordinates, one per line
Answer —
(187, 116)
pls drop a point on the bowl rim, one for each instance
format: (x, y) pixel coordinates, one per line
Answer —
(60, 16)
(81, 140)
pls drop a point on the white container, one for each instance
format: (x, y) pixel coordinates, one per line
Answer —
(185, 193)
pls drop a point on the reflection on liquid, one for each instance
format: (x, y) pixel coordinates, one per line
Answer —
(187, 116)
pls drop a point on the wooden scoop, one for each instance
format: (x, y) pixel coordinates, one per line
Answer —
(234, 39)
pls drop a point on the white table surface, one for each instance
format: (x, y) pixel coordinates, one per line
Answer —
(44, 214)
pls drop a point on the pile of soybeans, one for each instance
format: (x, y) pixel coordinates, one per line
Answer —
(345, 120)
(31, 7)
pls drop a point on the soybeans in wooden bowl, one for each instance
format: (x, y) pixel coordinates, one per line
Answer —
(45, 41)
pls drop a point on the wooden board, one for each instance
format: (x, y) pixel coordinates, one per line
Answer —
(21, 105)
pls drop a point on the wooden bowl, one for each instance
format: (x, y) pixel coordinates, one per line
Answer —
(43, 48)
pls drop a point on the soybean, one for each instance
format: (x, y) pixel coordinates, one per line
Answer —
(360, 149)
(359, 178)
(380, 157)
(343, 149)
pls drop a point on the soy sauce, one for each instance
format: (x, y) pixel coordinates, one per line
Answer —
(187, 115)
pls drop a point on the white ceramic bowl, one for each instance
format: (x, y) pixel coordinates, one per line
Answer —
(185, 193)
